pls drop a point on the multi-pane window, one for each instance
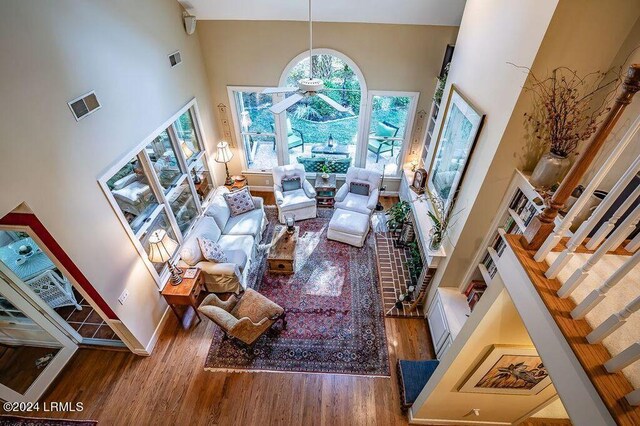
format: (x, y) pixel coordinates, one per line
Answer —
(257, 129)
(313, 133)
(163, 185)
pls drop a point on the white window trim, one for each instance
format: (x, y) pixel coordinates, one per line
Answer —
(408, 131)
(160, 279)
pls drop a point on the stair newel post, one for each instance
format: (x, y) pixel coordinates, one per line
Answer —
(541, 226)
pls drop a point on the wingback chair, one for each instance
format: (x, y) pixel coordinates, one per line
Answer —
(299, 202)
(348, 200)
(245, 318)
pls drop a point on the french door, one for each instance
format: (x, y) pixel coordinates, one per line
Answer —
(33, 350)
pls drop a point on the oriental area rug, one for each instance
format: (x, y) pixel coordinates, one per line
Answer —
(335, 320)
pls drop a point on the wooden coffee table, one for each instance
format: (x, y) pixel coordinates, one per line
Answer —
(282, 254)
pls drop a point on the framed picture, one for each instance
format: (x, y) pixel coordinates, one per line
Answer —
(460, 128)
(511, 370)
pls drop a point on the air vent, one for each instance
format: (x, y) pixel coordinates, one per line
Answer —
(84, 105)
(175, 59)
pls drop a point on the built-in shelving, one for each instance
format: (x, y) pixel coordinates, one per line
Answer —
(519, 206)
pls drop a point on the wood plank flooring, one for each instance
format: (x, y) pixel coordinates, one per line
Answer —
(171, 386)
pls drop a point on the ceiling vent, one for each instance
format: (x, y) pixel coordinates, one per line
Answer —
(175, 58)
(84, 105)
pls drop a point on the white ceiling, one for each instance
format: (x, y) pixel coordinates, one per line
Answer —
(419, 12)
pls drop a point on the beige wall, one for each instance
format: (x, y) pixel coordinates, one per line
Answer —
(255, 53)
(583, 34)
(500, 325)
(54, 52)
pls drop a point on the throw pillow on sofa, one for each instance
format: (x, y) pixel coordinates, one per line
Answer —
(359, 188)
(291, 184)
(212, 250)
(239, 202)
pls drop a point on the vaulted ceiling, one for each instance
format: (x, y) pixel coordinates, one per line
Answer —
(418, 12)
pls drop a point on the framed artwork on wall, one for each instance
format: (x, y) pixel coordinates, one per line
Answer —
(508, 370)
(461, 125)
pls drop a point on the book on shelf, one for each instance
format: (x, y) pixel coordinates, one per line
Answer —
(474, 298)
(475, 285)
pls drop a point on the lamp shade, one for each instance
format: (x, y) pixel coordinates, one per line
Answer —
(188, 152)
(224, 154)
(161, 246)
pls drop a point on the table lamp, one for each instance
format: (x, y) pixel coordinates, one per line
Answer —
(225, 155)
(161, 248)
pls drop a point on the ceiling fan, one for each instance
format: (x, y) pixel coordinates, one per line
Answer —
(307, 87)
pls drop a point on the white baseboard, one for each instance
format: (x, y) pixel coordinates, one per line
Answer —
(434, 422)
(156, 335)
(261, 188)
(389, 193)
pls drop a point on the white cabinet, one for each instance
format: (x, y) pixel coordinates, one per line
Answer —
(446, 316)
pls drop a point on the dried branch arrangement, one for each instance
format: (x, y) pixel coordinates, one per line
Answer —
(567, 107)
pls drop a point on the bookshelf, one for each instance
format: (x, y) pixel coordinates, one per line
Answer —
(518, 207)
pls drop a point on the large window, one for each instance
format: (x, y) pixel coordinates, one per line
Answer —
(257, 129)
(163, 184)
(313, 133)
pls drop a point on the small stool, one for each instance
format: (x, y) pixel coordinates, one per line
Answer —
(412, 376)
(349, 227)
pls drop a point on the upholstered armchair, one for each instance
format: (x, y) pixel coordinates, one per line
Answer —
(291, 199)
(348, 198)
(244, 318)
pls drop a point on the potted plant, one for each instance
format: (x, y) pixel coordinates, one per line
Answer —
(442, 81)
(567, 109)
(325, 168)
(440, 220)
(397, 215)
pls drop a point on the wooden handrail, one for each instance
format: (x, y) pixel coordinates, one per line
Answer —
(541, 226)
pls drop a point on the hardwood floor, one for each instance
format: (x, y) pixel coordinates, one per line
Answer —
(171, 386)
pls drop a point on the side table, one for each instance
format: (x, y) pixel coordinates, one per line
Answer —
(325, 190)
(238, 184)
(184, 294)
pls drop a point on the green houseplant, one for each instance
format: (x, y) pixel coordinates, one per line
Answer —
(397, 215)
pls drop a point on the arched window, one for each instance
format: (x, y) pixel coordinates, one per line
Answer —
(315, 130)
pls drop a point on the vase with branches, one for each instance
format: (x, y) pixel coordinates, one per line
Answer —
(440, 217)
(567, 108)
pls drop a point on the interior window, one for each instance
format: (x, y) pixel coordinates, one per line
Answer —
(187, 137)
(131, 190)
(163, 158)
(183, 205)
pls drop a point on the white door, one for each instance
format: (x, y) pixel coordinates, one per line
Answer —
(33, 350)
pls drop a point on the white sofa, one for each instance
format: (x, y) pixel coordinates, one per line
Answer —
(300, 203)
(238, 237)
(350, 222)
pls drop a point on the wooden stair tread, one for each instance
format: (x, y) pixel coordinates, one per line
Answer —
(612, 387)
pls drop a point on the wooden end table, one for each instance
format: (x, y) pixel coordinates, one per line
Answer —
(281, 258)
(325, 190)
(184, 294)
(237, 185)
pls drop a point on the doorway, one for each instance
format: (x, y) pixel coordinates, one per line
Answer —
(35, 274)
(33, 350)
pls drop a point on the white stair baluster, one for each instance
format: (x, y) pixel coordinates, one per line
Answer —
(633, 244)
(561, 229)
(624, 358)
(585, 228)
(633, 397)
(614, 322)
(579, 275)
(608, 226)
(596, 296)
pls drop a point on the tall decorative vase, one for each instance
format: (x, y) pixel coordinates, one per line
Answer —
(551, 169)
(435, 240)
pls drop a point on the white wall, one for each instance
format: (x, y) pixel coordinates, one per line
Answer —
(54, 52)
(582, 34)
(480, 71)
